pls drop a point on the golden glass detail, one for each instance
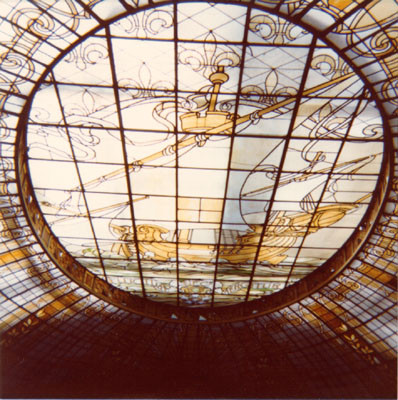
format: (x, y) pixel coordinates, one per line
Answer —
(208, 170)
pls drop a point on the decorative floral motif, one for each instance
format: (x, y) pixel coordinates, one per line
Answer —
(271, 93)
(87, 54)
(146, 24)
(274, 29)
(212, 56)
(330, 66)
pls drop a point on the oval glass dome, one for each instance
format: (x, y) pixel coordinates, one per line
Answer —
(208, 162)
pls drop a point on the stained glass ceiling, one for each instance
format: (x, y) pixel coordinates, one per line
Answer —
(337, 329)
(206, 162)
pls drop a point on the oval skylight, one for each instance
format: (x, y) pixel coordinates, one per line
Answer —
(208, 162)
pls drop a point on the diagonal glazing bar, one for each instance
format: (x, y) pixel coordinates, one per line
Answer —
(307, 8)
(392, 24)
(125, 157)
(35, 3)
(296, 99)
(176, 87)
(326, 184)
(81, 187)
(339, 21)
(90, 11)
(234, 124)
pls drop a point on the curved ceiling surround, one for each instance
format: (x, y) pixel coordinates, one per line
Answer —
(245, 152)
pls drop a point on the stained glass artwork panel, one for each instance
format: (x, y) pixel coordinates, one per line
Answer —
(203, 166)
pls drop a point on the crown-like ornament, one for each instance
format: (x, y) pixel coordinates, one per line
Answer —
(195, 122)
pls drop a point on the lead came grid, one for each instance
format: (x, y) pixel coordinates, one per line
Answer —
(297, 171)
